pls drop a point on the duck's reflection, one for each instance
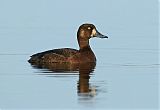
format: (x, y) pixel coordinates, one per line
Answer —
(84, 69)
(84, 87)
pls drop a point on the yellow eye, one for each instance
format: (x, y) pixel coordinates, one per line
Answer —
(89, 27)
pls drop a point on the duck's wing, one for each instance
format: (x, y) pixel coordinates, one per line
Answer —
(66, 52)
(55, 55)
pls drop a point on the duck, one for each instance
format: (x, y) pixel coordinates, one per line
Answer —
(68, 55)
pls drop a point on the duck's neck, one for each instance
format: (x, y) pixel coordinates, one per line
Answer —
(83, 44)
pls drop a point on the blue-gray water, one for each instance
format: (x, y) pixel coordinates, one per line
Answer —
(126, 73)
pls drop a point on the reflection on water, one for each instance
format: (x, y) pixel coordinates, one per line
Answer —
(84, 90)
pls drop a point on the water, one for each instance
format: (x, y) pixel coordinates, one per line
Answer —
(124, 77)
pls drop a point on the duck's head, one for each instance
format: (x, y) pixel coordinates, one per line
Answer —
(87, 31)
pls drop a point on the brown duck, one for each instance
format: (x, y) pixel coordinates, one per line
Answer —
(68, 55)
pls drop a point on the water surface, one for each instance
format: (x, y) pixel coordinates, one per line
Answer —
(124, 77)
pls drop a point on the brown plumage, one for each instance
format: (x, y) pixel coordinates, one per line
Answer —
(84, 54)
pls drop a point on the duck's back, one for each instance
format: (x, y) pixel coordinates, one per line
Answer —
(55, 55)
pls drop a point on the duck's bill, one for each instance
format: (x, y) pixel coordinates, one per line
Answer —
(99, 35)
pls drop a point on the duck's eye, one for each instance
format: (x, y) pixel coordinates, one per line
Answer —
(89, 28)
